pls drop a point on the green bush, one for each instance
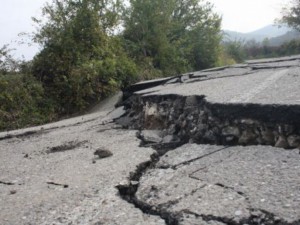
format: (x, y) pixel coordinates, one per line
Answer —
(172, 36)
(22, 102)
(80, 63)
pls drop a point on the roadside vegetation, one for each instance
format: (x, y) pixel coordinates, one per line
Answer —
(92, 48)
(240, 50)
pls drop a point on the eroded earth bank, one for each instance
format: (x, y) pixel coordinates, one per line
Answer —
(219, 146)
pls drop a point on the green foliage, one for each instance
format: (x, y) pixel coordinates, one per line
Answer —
(22, 102)
(291, 15)
(224, 58)
(290, 48)
(172, 36)
(235, 50)
(83, 60)
(239, 51)
(8, 64)
(80, 63)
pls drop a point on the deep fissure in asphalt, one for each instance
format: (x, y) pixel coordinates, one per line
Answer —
(194, 120)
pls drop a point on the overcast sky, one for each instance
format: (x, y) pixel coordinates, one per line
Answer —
(248, 15)
(238, 15)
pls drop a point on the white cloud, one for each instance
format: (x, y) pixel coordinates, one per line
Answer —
(248, 15)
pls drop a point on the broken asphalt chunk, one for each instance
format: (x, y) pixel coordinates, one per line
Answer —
(103, 153)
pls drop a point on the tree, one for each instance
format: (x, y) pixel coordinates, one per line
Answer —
(236, 50)
(291, 15)
(8, 64)
(21, 95)
(172, 36)
(81, 61)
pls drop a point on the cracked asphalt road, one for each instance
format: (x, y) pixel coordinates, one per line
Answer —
(50, 175)
(257, 82)
(70, 186)
(228, 185)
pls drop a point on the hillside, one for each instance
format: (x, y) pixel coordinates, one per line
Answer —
(289, 36)
(259, 35)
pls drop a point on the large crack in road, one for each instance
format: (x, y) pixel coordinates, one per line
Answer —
(239, 178)
(71, 185)
(151, 186)
(195, 120)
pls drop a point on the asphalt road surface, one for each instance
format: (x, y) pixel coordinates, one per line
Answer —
(51, 175)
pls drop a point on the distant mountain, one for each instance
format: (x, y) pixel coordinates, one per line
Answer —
(270, 31)
(289, 36)
(259, 35)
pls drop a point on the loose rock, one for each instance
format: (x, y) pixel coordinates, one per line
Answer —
(103, 153)
(294, 141)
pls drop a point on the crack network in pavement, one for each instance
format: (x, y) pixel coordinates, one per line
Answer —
(184, 118)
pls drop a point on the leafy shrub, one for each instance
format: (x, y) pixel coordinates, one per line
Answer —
(22, 102)
(80, 62)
